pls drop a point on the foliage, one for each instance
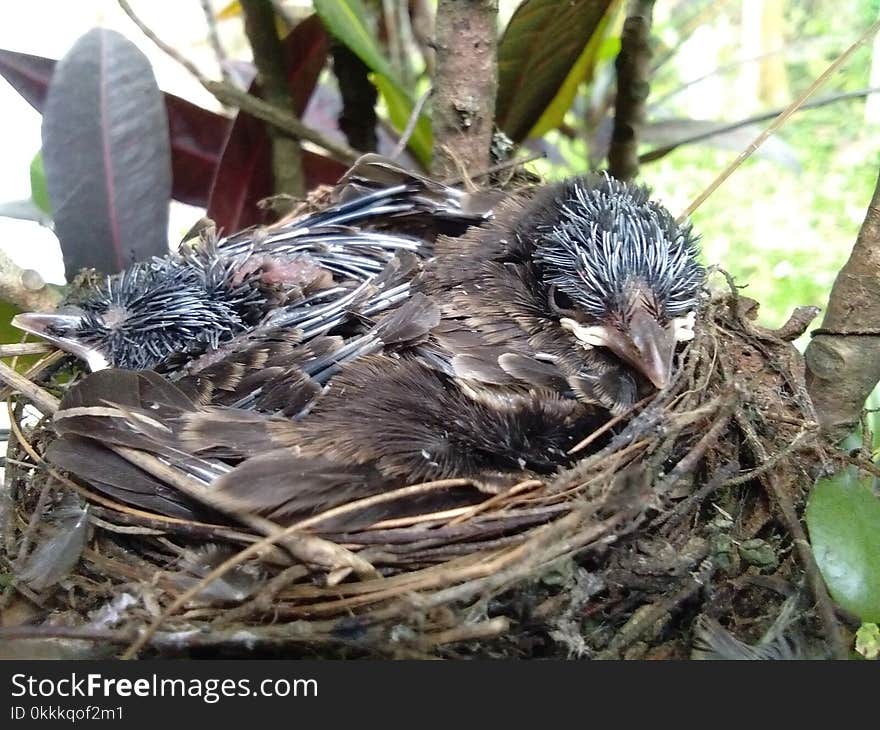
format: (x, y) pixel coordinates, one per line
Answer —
(106, 155)
(868, 641)
(843, 516)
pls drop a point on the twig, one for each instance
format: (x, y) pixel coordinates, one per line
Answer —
(802, 545)
(214, 39)
(357, 118)
(25, 348)
(468, 632)
(411, 124)
(525, 486)
(644, 620)
(780, 120)
(228, 94)
(44, 401)
(307, 548)
(259, 26)
(492, 169)
(633, 85)
(38, 369)
(608, 425)
(724, 128)
(690, 461)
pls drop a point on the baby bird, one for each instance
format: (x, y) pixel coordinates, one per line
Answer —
(306, 273)
(519, 337)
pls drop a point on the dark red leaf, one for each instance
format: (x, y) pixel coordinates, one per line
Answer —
(197, 139)
(244, 175)
(106, 154)
(197, 135)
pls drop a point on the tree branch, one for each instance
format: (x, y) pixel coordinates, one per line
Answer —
(25, 288)
(214, 39)
(259, 25)
(843, 368)
(230, 95)
(633, 85)
(725, 127)
(465, 84)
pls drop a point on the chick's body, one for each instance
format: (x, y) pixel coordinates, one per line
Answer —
(521, 336)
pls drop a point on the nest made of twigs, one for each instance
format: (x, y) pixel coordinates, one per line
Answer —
(613, 557)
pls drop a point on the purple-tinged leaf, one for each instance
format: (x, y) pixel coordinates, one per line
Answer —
(197, 135)
(28, 75)
(244, 175)
(107, 155)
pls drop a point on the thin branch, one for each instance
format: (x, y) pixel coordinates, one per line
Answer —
(214, 39)
(259, 25)
(633, 85)
(25, 288)
(285, 121)
(357, 119)
(780, 120)
(724, 128)
(230, 95)
(411, 124)
(802, 546)
(44, 401)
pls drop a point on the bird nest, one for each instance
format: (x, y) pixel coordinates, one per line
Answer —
(685, 507)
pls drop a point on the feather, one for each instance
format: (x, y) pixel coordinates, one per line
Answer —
(232, 432)
(411, 322)
(120, 480)
(234, 586)
(281, 485)
(62, 541)
(537, 373)
(713, 642)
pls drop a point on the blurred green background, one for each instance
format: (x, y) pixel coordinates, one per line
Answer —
(784, 223)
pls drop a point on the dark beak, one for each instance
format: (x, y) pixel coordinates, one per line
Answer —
(51, 327)
(654, 347)
(648, 348)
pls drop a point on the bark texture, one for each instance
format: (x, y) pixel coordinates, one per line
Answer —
(465, 84)
(843, 359)
(633, 85)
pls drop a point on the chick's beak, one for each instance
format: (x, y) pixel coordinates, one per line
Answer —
(652, 348)
(53, 328)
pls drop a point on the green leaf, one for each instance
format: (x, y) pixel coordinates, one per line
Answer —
(599, 48)
(346, 20)
(843, 516)
(39, 191)
(539, 50)
(868, 641)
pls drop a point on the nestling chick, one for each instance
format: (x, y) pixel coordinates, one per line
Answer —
(311, 269)
(587, 283)
(521, 336)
